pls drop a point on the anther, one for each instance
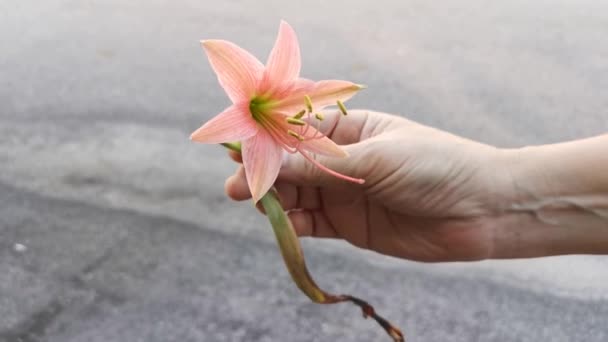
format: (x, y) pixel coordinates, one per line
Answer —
(342, 108)
(294, 121)
(319, 116)
(300, 114)
(308, 103)
(295, 135)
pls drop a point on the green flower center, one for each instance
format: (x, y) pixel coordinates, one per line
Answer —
(259, 107)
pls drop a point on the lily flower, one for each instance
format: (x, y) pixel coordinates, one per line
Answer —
(273, 110)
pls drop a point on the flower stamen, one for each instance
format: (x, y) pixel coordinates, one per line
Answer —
(308, 102)
(330, 130)
(317, 131)
(295, 135)
(300, 114)
(330, 171)
(342, 107)
(294, 121)
(319, 116)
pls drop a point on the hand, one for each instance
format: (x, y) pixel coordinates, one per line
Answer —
(428, 195)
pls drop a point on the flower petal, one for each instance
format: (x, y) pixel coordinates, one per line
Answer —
(262, 158)
(237, 70)
(322, 94)
(284, 63)
(301, 86)
(234, 123)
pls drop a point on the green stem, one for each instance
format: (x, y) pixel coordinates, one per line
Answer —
(289, 244)
(290, 247)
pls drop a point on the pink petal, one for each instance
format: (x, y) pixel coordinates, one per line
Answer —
(237, 70)
(322, 94)
(283, 65)
(300, 86)
(262, 158)
(326, 93)
(234, 123)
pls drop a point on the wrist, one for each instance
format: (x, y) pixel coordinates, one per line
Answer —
(570, 169)
(528, 234)
(554, 202)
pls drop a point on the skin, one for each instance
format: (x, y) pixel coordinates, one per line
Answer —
(433, 196)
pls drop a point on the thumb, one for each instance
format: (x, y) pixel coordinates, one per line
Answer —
(319, 170)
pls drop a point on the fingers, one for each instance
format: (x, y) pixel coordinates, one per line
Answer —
(358, 125)
(312, 223)
(349, 131)
(303, 202)
(236, 186)
(344, 130)
(299, 170)
(291, 196)
(298, 197)
(353, 132)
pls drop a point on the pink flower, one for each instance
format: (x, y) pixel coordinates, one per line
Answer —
(272, 108)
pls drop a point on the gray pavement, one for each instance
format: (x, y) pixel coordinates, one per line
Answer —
(114, 226)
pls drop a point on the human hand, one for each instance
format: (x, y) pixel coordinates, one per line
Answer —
(428, 194)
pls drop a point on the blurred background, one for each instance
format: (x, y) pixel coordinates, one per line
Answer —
(114, 226)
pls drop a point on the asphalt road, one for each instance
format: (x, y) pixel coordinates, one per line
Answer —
(114, 226)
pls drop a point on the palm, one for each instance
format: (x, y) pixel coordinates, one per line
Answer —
(418, 232)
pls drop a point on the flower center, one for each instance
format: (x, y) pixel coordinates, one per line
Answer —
(258, 107)
(290, 132)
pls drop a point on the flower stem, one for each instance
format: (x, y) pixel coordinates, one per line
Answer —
(290, 248)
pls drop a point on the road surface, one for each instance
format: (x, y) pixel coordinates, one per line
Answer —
(114, 226)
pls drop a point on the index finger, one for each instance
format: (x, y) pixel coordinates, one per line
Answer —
(357, 125)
